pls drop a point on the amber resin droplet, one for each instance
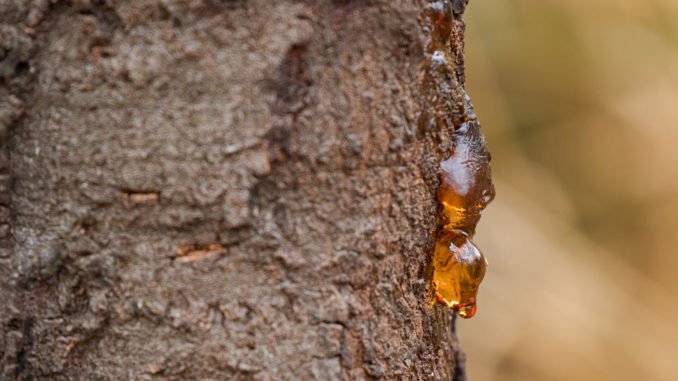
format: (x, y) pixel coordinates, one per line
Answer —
(465, 189)
(465, 184)
(459, 269)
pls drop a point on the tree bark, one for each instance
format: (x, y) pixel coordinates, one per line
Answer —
(204, 189)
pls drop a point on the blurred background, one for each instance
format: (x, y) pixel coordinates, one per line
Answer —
(579, 103)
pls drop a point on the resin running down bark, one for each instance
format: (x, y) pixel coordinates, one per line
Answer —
(465, 184)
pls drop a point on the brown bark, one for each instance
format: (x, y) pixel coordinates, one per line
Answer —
(203, 189)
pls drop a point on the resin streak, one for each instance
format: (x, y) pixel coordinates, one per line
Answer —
(465, 184)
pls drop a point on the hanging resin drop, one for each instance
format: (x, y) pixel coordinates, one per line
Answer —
(459, 269)
(465, 190)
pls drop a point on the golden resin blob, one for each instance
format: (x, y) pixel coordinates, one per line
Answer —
(465, 190)
(459, 269)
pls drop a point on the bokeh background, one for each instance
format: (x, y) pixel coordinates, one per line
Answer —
(579, 103)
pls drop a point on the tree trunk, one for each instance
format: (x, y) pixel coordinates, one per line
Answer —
(204, 189)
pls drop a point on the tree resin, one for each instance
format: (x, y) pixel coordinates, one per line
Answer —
(459, 269)
(465, 185)
(465, 190)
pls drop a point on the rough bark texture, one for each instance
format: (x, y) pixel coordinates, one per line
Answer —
(204, 189)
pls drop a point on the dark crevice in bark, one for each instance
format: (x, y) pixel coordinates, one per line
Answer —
(23, 367)
(459, 355)
(106, 15)
(291, 89)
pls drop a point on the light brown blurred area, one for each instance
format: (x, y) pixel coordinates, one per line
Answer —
(579, 103)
